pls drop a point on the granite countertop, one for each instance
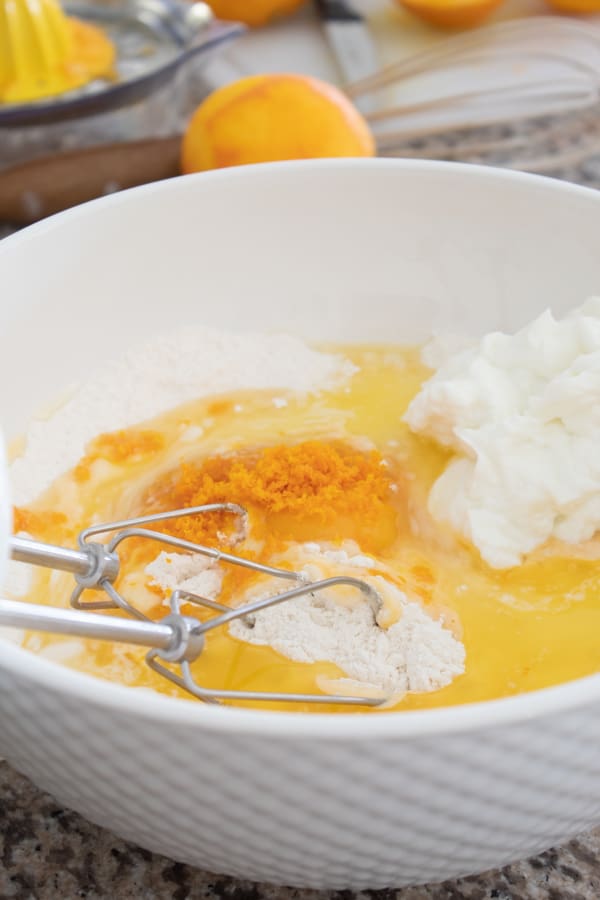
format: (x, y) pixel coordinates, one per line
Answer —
(51, 853)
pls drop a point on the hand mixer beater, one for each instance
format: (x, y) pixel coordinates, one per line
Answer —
(178, 639)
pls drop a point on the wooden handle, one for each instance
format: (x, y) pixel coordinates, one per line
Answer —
(37, 189)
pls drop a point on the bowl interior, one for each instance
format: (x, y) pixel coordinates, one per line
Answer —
(333, 250)
(330, 250)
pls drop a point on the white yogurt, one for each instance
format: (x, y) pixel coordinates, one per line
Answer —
(522, 413)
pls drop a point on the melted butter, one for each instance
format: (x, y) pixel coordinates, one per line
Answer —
(523, 629)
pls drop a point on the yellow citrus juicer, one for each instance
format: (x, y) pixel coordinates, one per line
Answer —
(44, 52)
(87, 57)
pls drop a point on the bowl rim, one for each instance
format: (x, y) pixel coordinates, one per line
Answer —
(146, 703)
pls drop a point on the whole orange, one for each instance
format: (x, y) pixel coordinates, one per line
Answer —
(451, 13)
(265, 118)
(252, 12)
(579, 7)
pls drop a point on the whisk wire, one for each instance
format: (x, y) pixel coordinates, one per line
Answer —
(457, 48)
(516, 70)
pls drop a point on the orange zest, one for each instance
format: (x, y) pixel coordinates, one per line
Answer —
(118, 447)
(39, 524)
(313, 484)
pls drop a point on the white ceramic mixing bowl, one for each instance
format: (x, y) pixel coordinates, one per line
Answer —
(5, 516)
(359, 250)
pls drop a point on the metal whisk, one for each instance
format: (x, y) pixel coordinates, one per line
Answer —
(177, 640)
(518, 69)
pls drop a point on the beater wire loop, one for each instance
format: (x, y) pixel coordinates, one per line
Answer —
(96, 567)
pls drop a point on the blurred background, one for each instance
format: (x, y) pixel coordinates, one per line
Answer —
(99, 95)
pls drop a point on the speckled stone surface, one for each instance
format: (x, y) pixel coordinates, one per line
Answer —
(50, 853)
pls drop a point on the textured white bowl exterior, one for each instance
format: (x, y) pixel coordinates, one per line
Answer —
(5, 517)
(348, 250)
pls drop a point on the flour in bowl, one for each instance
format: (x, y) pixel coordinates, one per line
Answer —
(165, 373)
(402, 649)
(186, 572)
(415, 653)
